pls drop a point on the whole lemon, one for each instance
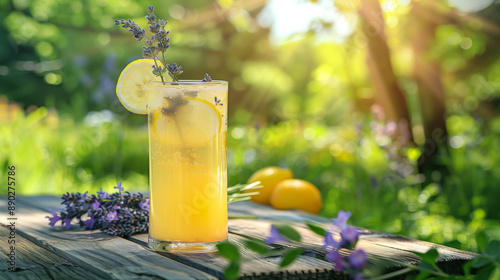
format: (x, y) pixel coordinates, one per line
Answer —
(269, 177)
(296, 194)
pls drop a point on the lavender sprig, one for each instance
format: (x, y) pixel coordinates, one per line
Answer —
(121, 213)
(156, 45)
(207, 78)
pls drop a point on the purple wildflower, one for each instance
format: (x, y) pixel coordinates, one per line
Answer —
(349, 234)
(111, 216)
(116, 207)
(119, 187)
(330, 242)
(342, 218)
(95, 205)
(54, 218)
(275, 236)
(357, 259)
(89, 224)
(67, 222)
(337, 260)
(102, 194)
(144, 205)
(83, 196)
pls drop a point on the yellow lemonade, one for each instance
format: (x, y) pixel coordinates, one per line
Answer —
(187, 124)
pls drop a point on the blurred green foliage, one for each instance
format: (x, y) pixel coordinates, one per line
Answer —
(303, 103)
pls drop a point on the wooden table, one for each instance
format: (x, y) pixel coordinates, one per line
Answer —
(43, 252)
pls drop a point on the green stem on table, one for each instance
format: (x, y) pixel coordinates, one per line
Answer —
(393, 274)
(247, 217)
(409, 267)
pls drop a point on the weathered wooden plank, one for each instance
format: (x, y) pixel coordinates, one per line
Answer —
(384, 250)
(254, 265)
(106, 256)
(34, 262)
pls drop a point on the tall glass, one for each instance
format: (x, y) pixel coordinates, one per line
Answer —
(187, 123)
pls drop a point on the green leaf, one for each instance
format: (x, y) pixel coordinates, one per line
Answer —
(422, 275)
(425, 266)
(288, 232)
(257, 247)
(316, 229)
(429, 257)
(290, 256)
(493, 249)
(467, 267)
(229, 251)
(480, 261)
(485, 273)
(482, 241)
(232, 271)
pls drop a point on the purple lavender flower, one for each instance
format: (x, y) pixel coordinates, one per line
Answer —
(89, 224)
(102, 194)
(119, 187)
(67, 222)
(357, 259)
(83, 196)
(341, 220)
(330, 242)
(144, 205)
(111, 216)
(337, 260)
(54, 218)
(95, 205)
(274, 236)
(116, 207)
(349, 234)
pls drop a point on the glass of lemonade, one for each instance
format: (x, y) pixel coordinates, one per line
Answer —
(187, 123)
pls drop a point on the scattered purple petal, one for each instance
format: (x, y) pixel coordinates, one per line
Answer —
(342, 218)
(95, 205)
(274, 236)
(144, 205)
(67, 222)
(349, 234)
(116, 207)
(357, 259)
(119, 187)
(337, 260)
(54, 218)
(89, 224)
(330, 242)
(111, 216)
(102, 194)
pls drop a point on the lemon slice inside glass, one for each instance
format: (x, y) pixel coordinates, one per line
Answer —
(132, 85)
(194, 124)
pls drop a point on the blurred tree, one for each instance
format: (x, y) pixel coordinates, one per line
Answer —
(427, 75)
(385, 84)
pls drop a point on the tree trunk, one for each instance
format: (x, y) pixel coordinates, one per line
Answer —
(427, 74)
(387, 91)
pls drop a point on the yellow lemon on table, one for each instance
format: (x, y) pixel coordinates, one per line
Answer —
(296, 194)
(269, 177)
(133, 84)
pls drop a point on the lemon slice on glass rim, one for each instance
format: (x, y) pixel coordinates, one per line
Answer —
(133, 83)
